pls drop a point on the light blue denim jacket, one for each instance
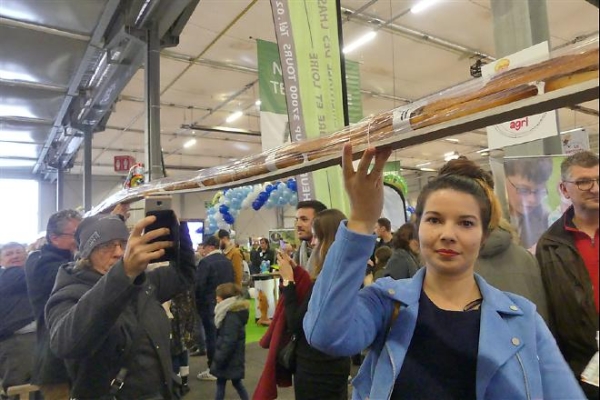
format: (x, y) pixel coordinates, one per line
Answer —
(518, 357)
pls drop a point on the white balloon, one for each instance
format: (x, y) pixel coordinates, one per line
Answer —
(253, 293)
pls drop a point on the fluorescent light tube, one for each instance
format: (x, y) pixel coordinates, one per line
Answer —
(423, 5)
(234, 116)
(423, 164)
(189, 143)
(367, 37)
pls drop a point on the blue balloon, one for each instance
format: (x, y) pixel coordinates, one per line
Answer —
(229, 218)
(269, 188)
(291, 184)
(256, 205)
(223, 208)
(235, 204)
(263, 196)
(211, 211)
(294, 199)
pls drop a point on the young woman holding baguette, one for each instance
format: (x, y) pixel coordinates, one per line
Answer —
(455, 336)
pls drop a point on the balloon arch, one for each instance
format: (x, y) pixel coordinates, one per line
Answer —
(226, 205)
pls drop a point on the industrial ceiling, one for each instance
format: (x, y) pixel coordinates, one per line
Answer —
(67, 67)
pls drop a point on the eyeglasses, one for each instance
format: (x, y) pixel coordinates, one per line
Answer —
(521, 191)
(112, 245)
(66, 234)
(584, 184)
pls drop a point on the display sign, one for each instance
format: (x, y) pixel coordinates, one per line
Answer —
(123, 163)
(574, 141)
(525, 129)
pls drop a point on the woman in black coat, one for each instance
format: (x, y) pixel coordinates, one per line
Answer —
(231, 316)
(318, 376)
(404, 262)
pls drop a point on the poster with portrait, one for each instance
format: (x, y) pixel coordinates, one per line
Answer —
(533, 195)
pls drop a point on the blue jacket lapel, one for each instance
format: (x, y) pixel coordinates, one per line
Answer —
(497, 342)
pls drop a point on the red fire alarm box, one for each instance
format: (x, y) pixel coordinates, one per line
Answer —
(123, 163)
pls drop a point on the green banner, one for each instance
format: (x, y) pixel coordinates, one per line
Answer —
(307, 37)
(355, 109)
(270, 78)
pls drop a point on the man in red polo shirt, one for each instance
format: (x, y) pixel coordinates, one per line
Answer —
(568, 257)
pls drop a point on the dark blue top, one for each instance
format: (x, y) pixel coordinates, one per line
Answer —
(441, 360)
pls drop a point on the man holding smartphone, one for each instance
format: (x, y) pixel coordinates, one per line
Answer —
(104, 314)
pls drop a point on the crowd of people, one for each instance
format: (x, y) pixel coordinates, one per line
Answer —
(451, 305)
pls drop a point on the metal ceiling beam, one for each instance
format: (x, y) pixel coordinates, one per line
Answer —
(221, 129)
(43, 29)
(94, 43)
(378, 23)
(162, 103)
(35, 121)
(33, 85)
(186, 134)
(138, 151)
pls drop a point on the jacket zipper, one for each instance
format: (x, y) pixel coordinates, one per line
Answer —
(524, 377)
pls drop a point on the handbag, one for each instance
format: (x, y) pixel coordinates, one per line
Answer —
(286, 357)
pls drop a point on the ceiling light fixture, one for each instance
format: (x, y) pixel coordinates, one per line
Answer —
(483, 151)
(367, 37)
(423, 5)
(234, 116)
(189, 143)
(257, 103)
(452, 140)
(423, 164)
(427, 169)
(450, 156)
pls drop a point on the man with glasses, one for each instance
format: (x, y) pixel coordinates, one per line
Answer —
(526, 189)
(42, 266)
(568, 257)
(17, 327)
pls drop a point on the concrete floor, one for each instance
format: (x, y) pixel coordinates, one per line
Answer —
(255, 360)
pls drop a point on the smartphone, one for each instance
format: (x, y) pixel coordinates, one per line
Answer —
(282, 245)
(160, 207)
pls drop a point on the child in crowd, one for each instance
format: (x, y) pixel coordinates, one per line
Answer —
(231, 317)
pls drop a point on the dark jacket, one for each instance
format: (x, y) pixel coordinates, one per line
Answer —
(93, 318)
(15, 310)
(268, 255)
(230, 356)
(41, 269)
(510, 268)
(573, 315)
(401, 265)
(212, 270)
(255, 260)
(308, 357)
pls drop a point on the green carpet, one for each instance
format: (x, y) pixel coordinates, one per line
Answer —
(253, 331)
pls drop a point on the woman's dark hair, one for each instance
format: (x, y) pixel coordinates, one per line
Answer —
(227, 290)
(488, 204)
(403, 236)
(382, 254)
(264, 239)
(325, 226)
